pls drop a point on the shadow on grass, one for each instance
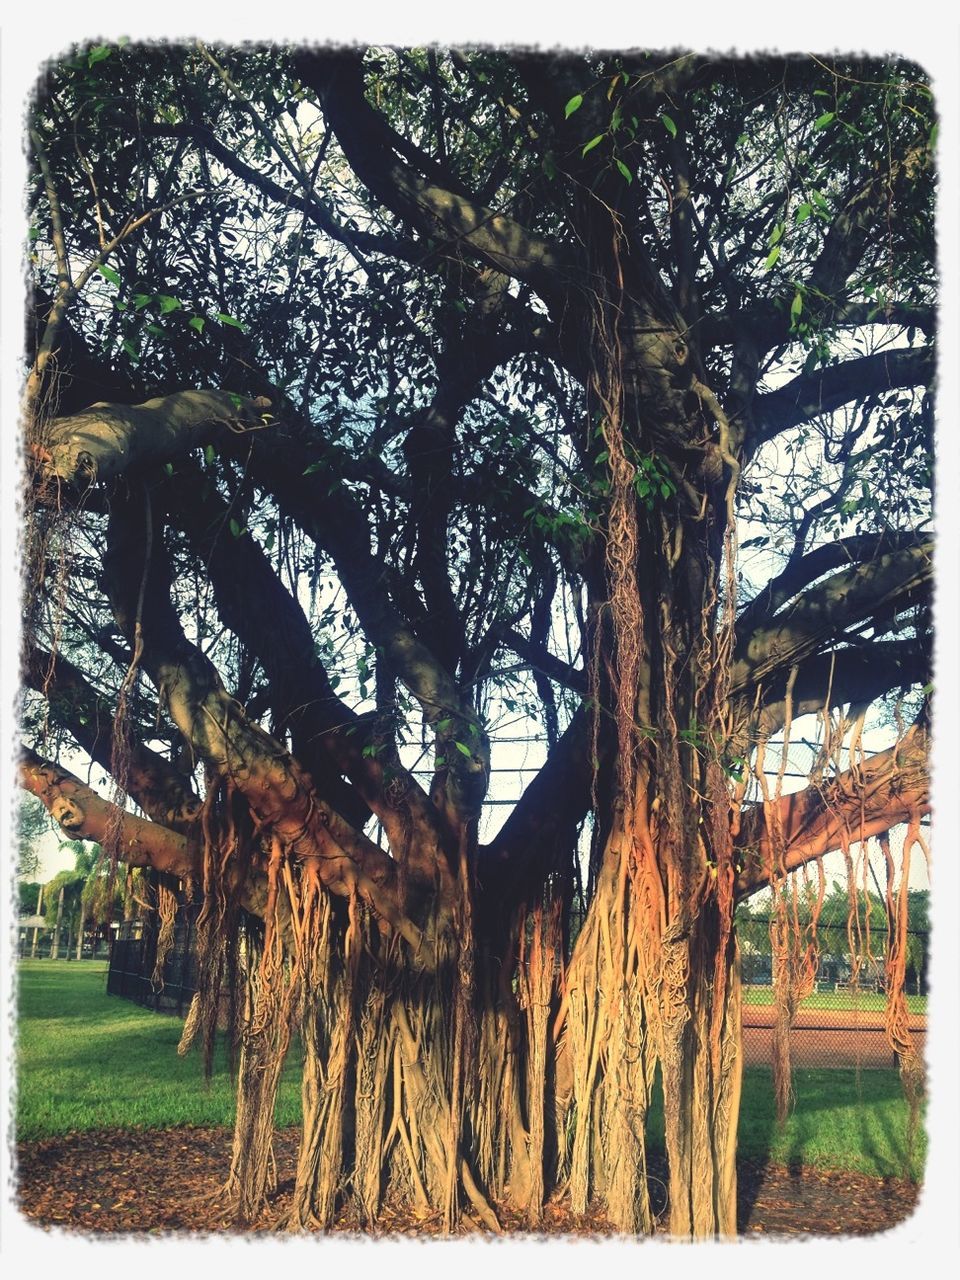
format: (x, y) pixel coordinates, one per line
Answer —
(841, 1120)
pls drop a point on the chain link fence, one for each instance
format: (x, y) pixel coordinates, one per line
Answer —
(841, 1023)
(133, 959)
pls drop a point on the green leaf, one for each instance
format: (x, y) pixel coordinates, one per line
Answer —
(98, 54)
(796, 306)
(108, 273)
(594, 142)
(168, 304)
(156, 330)
(168, 468)
(927, 689)
(197, 322)
(234, 324)
(209, 455)
(669, 125)
(463, 749)
(549, 166)
(130, 349)
(313, 467)
(236, 528)
(777, 234)
(804, 212)
(625, 171)
(773, 255)
(575, 103)
(269, 541)
(821, 122)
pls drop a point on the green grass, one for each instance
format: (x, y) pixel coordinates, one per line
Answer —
(865, 1001)
(841, 1119)
(87, 1060)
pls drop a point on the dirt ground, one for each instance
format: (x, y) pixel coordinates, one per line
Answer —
(150, 1183)
(825, 1037)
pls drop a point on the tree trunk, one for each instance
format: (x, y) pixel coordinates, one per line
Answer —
(55, 948)
(702, 1073)
(36, 930)
(642, 993)
(83, 921)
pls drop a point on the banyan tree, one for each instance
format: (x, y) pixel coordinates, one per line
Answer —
(378, 400)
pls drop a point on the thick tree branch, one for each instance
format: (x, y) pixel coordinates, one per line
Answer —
(540, 834)
(770, 320)
(328, 737)
(890, 788)
(824, 612)
(110, 440)
(280, 795)
(812, 394)
(434, 210)
(871, 205)
(153, 782)
(857, 675)
(107, 440)
(801, 571)
(358, 242)
(84, 815)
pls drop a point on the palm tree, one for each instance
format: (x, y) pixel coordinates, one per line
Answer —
(78, 896)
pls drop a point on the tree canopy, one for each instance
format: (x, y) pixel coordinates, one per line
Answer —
(386, 404)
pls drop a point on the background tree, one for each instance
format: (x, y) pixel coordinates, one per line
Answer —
(507, 351)
(88, 889)
(33, 821)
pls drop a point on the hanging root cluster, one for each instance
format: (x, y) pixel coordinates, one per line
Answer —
(912, 1068)
(427, 1088)
(653, 982)
(166, 898)
(796, 911)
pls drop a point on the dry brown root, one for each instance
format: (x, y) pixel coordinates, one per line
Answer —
(167, 913)
(913, 1075)
(538, 966)
(265, 1039)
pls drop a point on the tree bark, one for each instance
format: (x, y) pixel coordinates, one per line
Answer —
(36, 931)
(55, 948)
(83, 920)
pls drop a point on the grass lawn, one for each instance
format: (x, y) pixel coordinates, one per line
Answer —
(87, 1060)
(865, 1001)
